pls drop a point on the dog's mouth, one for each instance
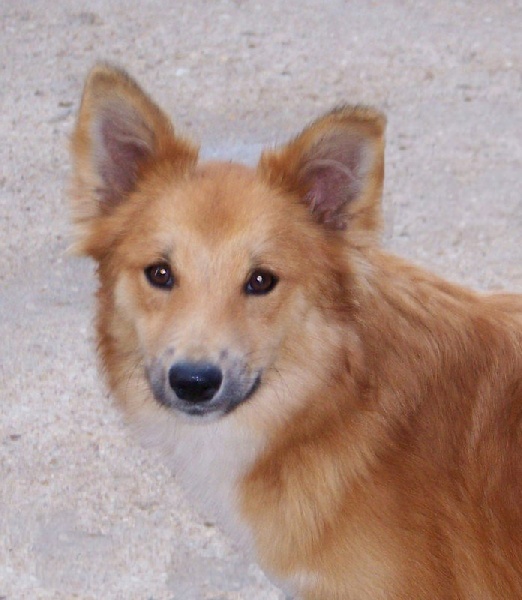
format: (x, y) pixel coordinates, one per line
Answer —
(201, 390)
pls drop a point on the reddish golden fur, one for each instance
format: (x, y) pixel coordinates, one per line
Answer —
(381, 456)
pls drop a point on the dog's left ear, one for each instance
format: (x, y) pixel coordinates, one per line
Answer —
(336, 166)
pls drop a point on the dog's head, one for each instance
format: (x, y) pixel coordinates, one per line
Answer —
(216, 278)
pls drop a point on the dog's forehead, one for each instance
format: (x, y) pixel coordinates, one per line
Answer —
(221, 201)
(224, 170)
(227, 189)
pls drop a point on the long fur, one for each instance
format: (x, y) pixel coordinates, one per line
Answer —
(381, 454)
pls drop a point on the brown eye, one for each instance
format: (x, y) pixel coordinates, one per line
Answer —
(261, 282)
(160, 275)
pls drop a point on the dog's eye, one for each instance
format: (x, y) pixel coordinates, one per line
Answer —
(160, 275)
(260, 282)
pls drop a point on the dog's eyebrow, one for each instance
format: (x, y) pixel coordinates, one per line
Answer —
(264, 255)
(164, 249)
(259, 261)
(160, 253)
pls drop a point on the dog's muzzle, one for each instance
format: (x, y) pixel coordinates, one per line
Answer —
(201, 388)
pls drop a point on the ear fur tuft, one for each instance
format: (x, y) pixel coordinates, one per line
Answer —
(336, 166)
(120, 132)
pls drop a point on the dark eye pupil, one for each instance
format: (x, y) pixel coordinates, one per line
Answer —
(160, 275)
(261, 282)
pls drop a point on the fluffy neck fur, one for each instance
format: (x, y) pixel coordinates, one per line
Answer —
(378, 423)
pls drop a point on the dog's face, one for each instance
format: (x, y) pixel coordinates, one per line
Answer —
(209, 271)
(210, 274)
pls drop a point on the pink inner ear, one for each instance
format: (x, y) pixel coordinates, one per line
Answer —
(334, 173)
(332, 186)
(121, 143)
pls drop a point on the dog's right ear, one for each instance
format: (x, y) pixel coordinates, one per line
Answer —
(120, 134)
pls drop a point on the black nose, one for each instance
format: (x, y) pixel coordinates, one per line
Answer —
(195, 382)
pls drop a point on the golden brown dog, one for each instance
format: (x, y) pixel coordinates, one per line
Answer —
(353, 419)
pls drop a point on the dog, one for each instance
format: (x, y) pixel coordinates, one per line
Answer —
(353, 420)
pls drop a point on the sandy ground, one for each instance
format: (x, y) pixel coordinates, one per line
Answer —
(85, 512)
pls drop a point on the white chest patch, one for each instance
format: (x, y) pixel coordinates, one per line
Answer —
(208, 459)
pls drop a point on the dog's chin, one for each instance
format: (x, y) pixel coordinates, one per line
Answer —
(191, 414)
(224, 403)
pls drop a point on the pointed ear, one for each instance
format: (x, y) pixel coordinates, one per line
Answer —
(336, 166)
(120, 133)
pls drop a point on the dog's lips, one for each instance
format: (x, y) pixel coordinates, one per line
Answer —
(253, 388)
(230, 396)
